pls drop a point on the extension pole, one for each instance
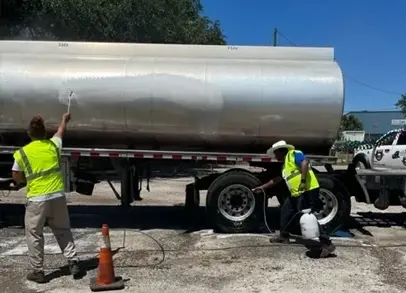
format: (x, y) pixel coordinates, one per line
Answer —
(275, 36)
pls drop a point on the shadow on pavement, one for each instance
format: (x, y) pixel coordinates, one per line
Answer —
(174, 217)
(85, 265)
(135, 217)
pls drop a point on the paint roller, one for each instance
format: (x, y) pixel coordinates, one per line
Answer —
(70, 96)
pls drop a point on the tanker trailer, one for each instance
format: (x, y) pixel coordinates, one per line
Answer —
(146, 104)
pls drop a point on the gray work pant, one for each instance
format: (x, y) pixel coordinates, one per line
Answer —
(55, 213)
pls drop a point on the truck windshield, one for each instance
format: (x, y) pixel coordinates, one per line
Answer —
(388, 139)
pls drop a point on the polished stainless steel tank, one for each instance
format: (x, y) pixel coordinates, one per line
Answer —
(181, 97)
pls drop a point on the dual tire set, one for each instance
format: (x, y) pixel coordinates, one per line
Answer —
(233, 208)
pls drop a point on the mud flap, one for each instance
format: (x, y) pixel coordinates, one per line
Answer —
(402, 197)
(382, 202)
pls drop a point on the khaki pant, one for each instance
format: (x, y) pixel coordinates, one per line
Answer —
(55, 212)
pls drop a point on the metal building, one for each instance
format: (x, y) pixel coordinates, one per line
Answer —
(376, 123)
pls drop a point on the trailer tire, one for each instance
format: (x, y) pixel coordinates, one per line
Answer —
(231, 189)
(332, 191)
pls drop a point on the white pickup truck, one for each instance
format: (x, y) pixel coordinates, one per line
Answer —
(383, 165)
(389, 152)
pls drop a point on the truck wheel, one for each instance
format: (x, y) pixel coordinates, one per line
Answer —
(336, 205)
(231, 205)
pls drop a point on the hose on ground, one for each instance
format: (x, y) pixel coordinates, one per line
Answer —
(265, 217)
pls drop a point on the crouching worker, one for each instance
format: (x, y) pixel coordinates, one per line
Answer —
(38, 163)
(304, 190)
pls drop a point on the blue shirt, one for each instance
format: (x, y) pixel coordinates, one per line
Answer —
(299, 158)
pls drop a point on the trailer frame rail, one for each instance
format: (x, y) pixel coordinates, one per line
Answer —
(169, 155)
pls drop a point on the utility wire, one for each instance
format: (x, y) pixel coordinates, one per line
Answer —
(289, 41)
(372, 87)
(348, 77)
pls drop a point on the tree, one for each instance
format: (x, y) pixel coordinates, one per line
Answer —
(15, 17)
(401, 104)
(350, 122)
(142, 21)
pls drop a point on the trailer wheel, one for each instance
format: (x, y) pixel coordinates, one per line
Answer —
(336, 204)
(231, 205)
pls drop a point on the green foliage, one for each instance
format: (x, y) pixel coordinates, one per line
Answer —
(347, 146)
(142, 21)
(350, 122)
(401, 104)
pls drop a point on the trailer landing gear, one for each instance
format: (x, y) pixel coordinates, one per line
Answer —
(192, 206)
(130, 184)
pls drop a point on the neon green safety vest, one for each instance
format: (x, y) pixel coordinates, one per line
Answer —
(291, 174)
(40, 162)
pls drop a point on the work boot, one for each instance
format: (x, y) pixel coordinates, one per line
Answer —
(37, 277)
(74, 268)
(327, 249)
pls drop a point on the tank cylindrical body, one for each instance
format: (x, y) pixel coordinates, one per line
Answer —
(178, 97)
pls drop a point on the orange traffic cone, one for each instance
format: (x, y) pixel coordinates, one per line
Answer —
(106, 280)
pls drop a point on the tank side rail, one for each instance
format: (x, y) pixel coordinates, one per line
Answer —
(170, 155)
(152, 154)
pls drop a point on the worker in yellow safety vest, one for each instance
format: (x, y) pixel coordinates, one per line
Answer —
(304, 190)
(38, 164)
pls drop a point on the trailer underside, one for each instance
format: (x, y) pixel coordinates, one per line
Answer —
(231, 205)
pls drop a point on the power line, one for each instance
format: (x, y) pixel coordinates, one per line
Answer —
(289, 41)
(277, 32)
(372, 87)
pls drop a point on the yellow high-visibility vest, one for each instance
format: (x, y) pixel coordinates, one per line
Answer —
(40, 161)
(291, 174)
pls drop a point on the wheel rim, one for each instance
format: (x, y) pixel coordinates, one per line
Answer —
(236, 202)
(330, 206)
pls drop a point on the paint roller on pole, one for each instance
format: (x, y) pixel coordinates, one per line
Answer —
(65, 96)
(69, 99)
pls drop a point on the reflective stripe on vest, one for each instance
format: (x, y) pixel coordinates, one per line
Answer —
(30, 175)
(292, 175)
(40, 162)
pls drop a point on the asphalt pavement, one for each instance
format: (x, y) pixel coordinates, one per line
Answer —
(157, 252)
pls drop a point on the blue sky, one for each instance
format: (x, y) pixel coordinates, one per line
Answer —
(369, 37)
